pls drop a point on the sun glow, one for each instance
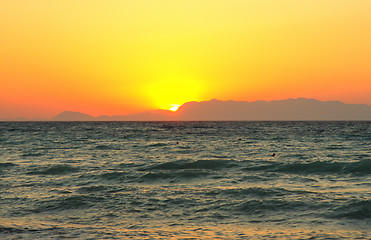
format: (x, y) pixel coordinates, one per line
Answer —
(174, 108)
(170, 94)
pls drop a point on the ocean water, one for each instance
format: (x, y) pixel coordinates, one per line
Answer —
(185, 180)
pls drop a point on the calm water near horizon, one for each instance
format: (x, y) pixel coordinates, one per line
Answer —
(185, 180)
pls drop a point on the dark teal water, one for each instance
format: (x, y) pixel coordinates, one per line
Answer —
(185, 180)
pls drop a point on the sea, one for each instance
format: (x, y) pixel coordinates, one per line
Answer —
(185, 180)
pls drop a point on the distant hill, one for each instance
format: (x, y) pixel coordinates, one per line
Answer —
(73, 116)
(300, 109)
(154, 115)
(289, 109)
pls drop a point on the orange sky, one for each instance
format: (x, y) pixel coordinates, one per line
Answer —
(124, 56)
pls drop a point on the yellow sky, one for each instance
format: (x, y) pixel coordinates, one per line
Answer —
(126, 56)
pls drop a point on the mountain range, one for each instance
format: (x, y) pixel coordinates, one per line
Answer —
(300, 109)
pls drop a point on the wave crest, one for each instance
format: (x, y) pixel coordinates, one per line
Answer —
(55, 170)
(7, 165)
(199, 164)
(67, 203)
(182, 174)
(356, 210)
(360, 167)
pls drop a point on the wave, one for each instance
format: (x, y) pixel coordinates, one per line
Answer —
(116, 175)
(253, 191)
(360, 167)
(158, 144)
(182, 174)
(102, 189)
(93, 189)
(130, 165)
(67, 203)
(7, 165)
(7, 230)
(107, 147)
(33, 154)
(203, 126)
(217, 156)
(259, 206)
(199, 164)
(360, 210)
(55, 170)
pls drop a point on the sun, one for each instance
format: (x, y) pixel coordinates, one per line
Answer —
(170, 92)
(174, 108)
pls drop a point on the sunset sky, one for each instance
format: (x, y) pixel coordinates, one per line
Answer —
(126, 56)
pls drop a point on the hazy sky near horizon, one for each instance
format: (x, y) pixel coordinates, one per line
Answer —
(124, 56)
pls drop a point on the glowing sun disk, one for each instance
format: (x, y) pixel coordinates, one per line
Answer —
(174, 108)
(168, 93)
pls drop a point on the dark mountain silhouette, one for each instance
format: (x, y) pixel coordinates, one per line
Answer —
(216, 110)
(154, 115)
(289, 109)
(73, 116)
